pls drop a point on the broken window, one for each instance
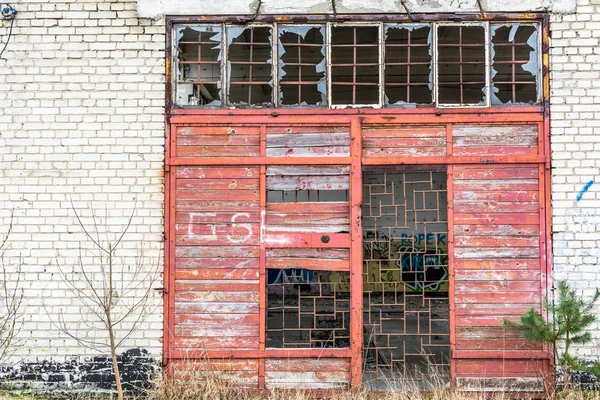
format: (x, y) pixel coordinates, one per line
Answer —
(355, 65)
(249, 65)
(302, 65)
(408, 64)
(198, 65)
(515, 67)
(462, 64)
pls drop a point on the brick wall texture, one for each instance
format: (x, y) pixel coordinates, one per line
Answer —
(82, 126)
(575, 144)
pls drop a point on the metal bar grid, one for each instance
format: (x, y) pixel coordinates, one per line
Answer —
(405, 278)
(308, 309)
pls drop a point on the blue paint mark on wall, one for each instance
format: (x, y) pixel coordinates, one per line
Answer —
(584, 189)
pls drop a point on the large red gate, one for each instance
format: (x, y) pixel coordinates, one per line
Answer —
(252, 193)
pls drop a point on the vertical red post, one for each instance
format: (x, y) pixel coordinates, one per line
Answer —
(171, 242)
(356, 278)
(262, 317)
(451, 300)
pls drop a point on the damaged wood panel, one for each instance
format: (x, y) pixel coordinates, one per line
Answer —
(217, 245)
(240, 373)
(499, 368)
(217, 141)
(317, 259)
(404, 141)
(306, 373)
(490, 140)
(512, 385)
(308, 141)
(497, 257)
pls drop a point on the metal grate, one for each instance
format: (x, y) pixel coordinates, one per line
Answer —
(408, 64)
(514, 75)
(250, 66)
(405, 278)
(355, 64)
(302, 65)
(461, 64)
(307, 308)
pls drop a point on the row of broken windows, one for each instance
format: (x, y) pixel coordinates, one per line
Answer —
(367, 64)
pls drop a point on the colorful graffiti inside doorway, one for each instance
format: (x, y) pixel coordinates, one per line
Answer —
(405, 278)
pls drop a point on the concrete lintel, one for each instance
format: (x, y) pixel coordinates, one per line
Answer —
(158, 8)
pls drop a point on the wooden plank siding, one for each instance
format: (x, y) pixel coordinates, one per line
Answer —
(224, 231)
(497, 273)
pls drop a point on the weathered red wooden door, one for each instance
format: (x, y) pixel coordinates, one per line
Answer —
(264, 256)
(264, 250)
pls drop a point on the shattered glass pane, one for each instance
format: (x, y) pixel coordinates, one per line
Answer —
(355, 65)
(408, 64)
(515, 67)
(198, 65)
(461, 65)
(302, 65)
(249, 66)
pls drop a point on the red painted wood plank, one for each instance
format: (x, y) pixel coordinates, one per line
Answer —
(497, 218)
(314, 264)
(497, 230)
(218, 140)
(497, 264)
(517, 368)
(497, 286)
(509, 171)
(487, 333)
(512, 195)
(217, 273)
(495, 150)
(295, 239)
(497, 275)
(401, 131)
(217, 206)
(216, 229)
(219, 342)
(490, 298)
(280, 219)
(219, 183)
(307, 170)
(192, 194)
(330, 151)
(232, 239)
(404, 151)
(499, 207)
(216, 308)
(218, 151)
(232, 218)
(517, 185)
(500, 241)
(216, 296)
(342, 254)
(399, 142)
(218, 130)
(494, 252)
(498, 344)
(217, 172)
(217, 286)
(307, 128)
(227, 263)
(308, 139)
(227, 322)
(483, 309)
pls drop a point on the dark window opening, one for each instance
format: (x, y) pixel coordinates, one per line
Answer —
(514, 64)
(408, 64)
(461, 65)
(355, 65)
(199, 65)
(302, 65)
(306, 196)
(307, 308)
(250, 66)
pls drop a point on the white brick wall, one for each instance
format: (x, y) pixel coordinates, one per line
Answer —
(81, 120)
(575, 141)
